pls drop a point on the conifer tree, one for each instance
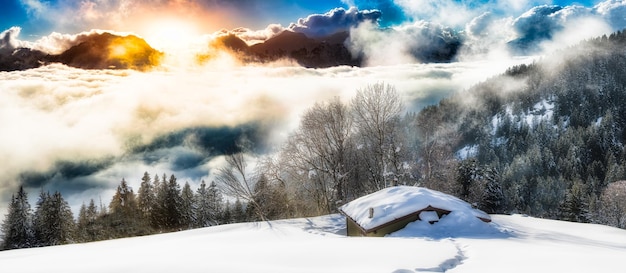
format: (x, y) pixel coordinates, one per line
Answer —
(81, 223)
(157, 208)
(493, 197)
(168, 214)
(239, 213)
(203, 207)
(157, 183)
(53, 222)
(227, 216)
(187, 207)
(468, 174)
(17, 228)
(146, 198)
(123, 212)
(39, 221)
(216, 207)
(88, 228)
(575, 208)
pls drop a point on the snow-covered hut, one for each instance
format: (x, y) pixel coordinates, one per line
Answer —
(391, 209)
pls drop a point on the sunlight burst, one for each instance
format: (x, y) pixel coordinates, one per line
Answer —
(171, 35)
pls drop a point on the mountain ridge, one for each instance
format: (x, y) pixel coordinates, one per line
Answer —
(96, 51)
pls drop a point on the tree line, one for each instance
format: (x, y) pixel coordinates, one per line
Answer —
(159, 205)
(341, 151)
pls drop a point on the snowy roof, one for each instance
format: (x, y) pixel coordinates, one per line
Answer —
(396, 202)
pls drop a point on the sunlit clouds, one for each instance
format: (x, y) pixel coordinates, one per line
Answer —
(171, 34)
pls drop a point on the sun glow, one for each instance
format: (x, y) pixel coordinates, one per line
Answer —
(171, 35)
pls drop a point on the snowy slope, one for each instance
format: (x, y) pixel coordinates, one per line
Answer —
(508, 244)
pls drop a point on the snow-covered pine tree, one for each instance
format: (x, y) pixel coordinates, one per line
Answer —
(187, 216)
(17, 228)
(469, 176)
(216, 206)
(123, 212)
(167, 215)
(202, 209)
(88, 228)
(81, 223)
(146, 199)
(39, 221)
(227, 216)
(53, 222)
(575, 207)
(239, 212)
(493, 197)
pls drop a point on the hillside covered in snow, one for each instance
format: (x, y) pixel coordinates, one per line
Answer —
(552, 133)
(509, 244)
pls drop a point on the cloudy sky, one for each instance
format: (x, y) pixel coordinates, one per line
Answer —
(82, 131)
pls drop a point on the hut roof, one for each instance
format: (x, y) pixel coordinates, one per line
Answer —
(397, 202)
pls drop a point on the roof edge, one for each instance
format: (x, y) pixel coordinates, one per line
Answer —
(399, 219)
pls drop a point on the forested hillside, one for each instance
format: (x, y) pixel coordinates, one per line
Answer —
(552, 132)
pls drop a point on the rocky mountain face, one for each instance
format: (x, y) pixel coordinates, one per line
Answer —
(20, 59)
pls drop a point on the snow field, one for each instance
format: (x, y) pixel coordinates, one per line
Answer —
(508, 244)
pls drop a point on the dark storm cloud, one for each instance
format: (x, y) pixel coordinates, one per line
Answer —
(190, 148)
(66, 171)
(208, 140)
(336, 20)
(184, 151)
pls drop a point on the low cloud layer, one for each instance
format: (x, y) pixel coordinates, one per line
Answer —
(82, 131)
(421, 42)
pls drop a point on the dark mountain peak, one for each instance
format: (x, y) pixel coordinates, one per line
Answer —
(315, 53)
(94, 51)
(232, 42)
(290, 35)
(20, 59)
(285, 42)
(337, 38)
(106, 50)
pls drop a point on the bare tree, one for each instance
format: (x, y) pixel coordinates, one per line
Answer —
(239, 181)
(317, 154)
(612, 207)
(376, 110)
(436, 157)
